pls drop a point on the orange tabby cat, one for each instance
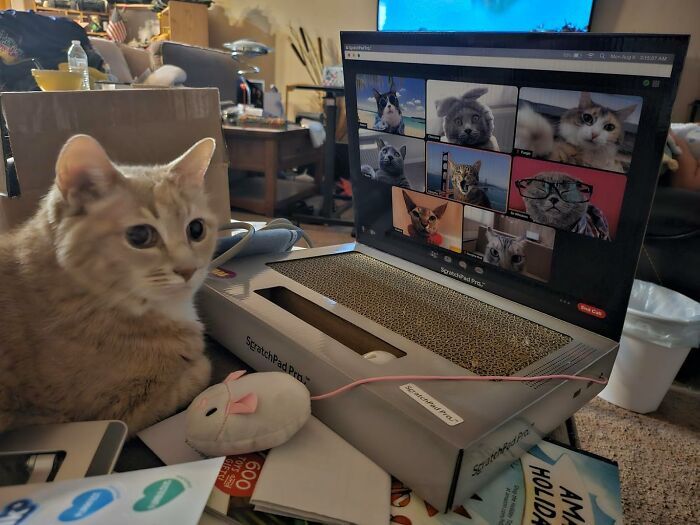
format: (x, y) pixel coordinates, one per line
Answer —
(96, 303)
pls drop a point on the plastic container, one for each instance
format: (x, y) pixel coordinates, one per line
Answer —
(660, 329)
(78, 63)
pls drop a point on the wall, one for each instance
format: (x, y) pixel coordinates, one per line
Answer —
(655, 16)
(268, 21)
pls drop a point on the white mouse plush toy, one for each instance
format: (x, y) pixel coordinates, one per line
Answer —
(247, 413)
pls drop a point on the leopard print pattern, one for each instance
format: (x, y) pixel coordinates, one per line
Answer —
(474, 335)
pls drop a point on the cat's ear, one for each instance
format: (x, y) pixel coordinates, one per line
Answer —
(624, 113)
(403, 152)
(477, 165)
(475, 93)
(451, 164)
(380, 144)
(377, 94)
(440, 210)
(84, 171)
(489, 233)
(444, 105)
(410, 205)
(190, 167)
(392, 87)
(585, 100)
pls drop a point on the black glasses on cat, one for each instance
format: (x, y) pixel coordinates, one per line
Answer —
(389, 98)
(569, 191)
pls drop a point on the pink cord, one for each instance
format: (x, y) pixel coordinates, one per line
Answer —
(379, 379)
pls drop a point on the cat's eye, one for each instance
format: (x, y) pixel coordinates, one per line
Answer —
(494, 252)
(432, 218)
(458, 121)
(195, 230)
(142, 236)
(475, 118)
(415, 213)
(587, 118)
(516, 258)
(609, 127)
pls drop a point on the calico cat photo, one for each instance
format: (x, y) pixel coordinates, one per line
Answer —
(389, 117)
(425, 222)
(96, 310)
(558, 200)
(589, 133)
(505, 251)
(467, 121)
(465, 183)
(391, 165)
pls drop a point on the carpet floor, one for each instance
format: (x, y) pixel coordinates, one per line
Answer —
(658, 455)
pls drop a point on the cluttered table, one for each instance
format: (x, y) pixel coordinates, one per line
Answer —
(270, 151)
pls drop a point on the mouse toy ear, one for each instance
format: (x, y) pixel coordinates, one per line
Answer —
(234, 375)
(247, 404)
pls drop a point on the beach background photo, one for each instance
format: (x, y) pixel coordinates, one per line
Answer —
(411, 95)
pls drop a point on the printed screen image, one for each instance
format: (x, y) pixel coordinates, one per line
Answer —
(469, 114)
(393, 159)
(427, 219)
(472, 176)
(519, 164)
(568, 198)
(391, 104)
(520, 247)
(595, 130)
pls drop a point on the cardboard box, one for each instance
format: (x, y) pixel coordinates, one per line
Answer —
(443, 439)
(141, 126)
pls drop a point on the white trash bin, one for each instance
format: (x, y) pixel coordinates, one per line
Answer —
(660, 328)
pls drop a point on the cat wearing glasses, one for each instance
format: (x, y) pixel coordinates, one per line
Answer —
(389, 117)
(558, 200)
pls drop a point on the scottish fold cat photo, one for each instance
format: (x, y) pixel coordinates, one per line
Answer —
(475, 115)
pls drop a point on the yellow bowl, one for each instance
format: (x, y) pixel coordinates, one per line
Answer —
(51, 80)
(95, 74)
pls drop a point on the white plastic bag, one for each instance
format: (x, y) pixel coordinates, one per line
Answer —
(662, 316)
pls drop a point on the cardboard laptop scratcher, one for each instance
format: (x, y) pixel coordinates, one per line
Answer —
(138, 126)
(436, 304)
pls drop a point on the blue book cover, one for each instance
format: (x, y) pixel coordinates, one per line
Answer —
(551, 484)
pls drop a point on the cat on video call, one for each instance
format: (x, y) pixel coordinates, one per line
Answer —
(389, 117)
(391, 165)
(505, 251)
(425, 222)
(465, 183)
(558, 200)
(467, 121)
(589, 134)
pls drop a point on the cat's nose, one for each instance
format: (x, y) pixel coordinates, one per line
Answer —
(594, 135)
(553, 200)
(468, 131)
(185, 273)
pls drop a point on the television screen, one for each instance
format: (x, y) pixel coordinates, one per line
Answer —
(484, 15)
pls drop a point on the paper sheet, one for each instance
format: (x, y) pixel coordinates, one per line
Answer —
(173, 494)
(319, 476)
(167, 440)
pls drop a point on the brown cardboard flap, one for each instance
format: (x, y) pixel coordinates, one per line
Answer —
(141, 126)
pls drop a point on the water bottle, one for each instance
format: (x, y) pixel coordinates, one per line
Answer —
(78, 62)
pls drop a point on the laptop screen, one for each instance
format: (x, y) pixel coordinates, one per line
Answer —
(522, 164)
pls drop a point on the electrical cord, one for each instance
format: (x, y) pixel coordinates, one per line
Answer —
(275, 224)
(380, 379)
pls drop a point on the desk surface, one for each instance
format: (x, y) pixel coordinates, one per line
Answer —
(261, 131)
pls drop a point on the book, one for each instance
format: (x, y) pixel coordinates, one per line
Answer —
(551, 484)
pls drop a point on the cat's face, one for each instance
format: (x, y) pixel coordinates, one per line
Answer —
(466, 121)
(505, 251)
(388, 107)
(591, 125)
(464, 175)
(553, 210)
(137, 235)
(425, 221)
(390, 158)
